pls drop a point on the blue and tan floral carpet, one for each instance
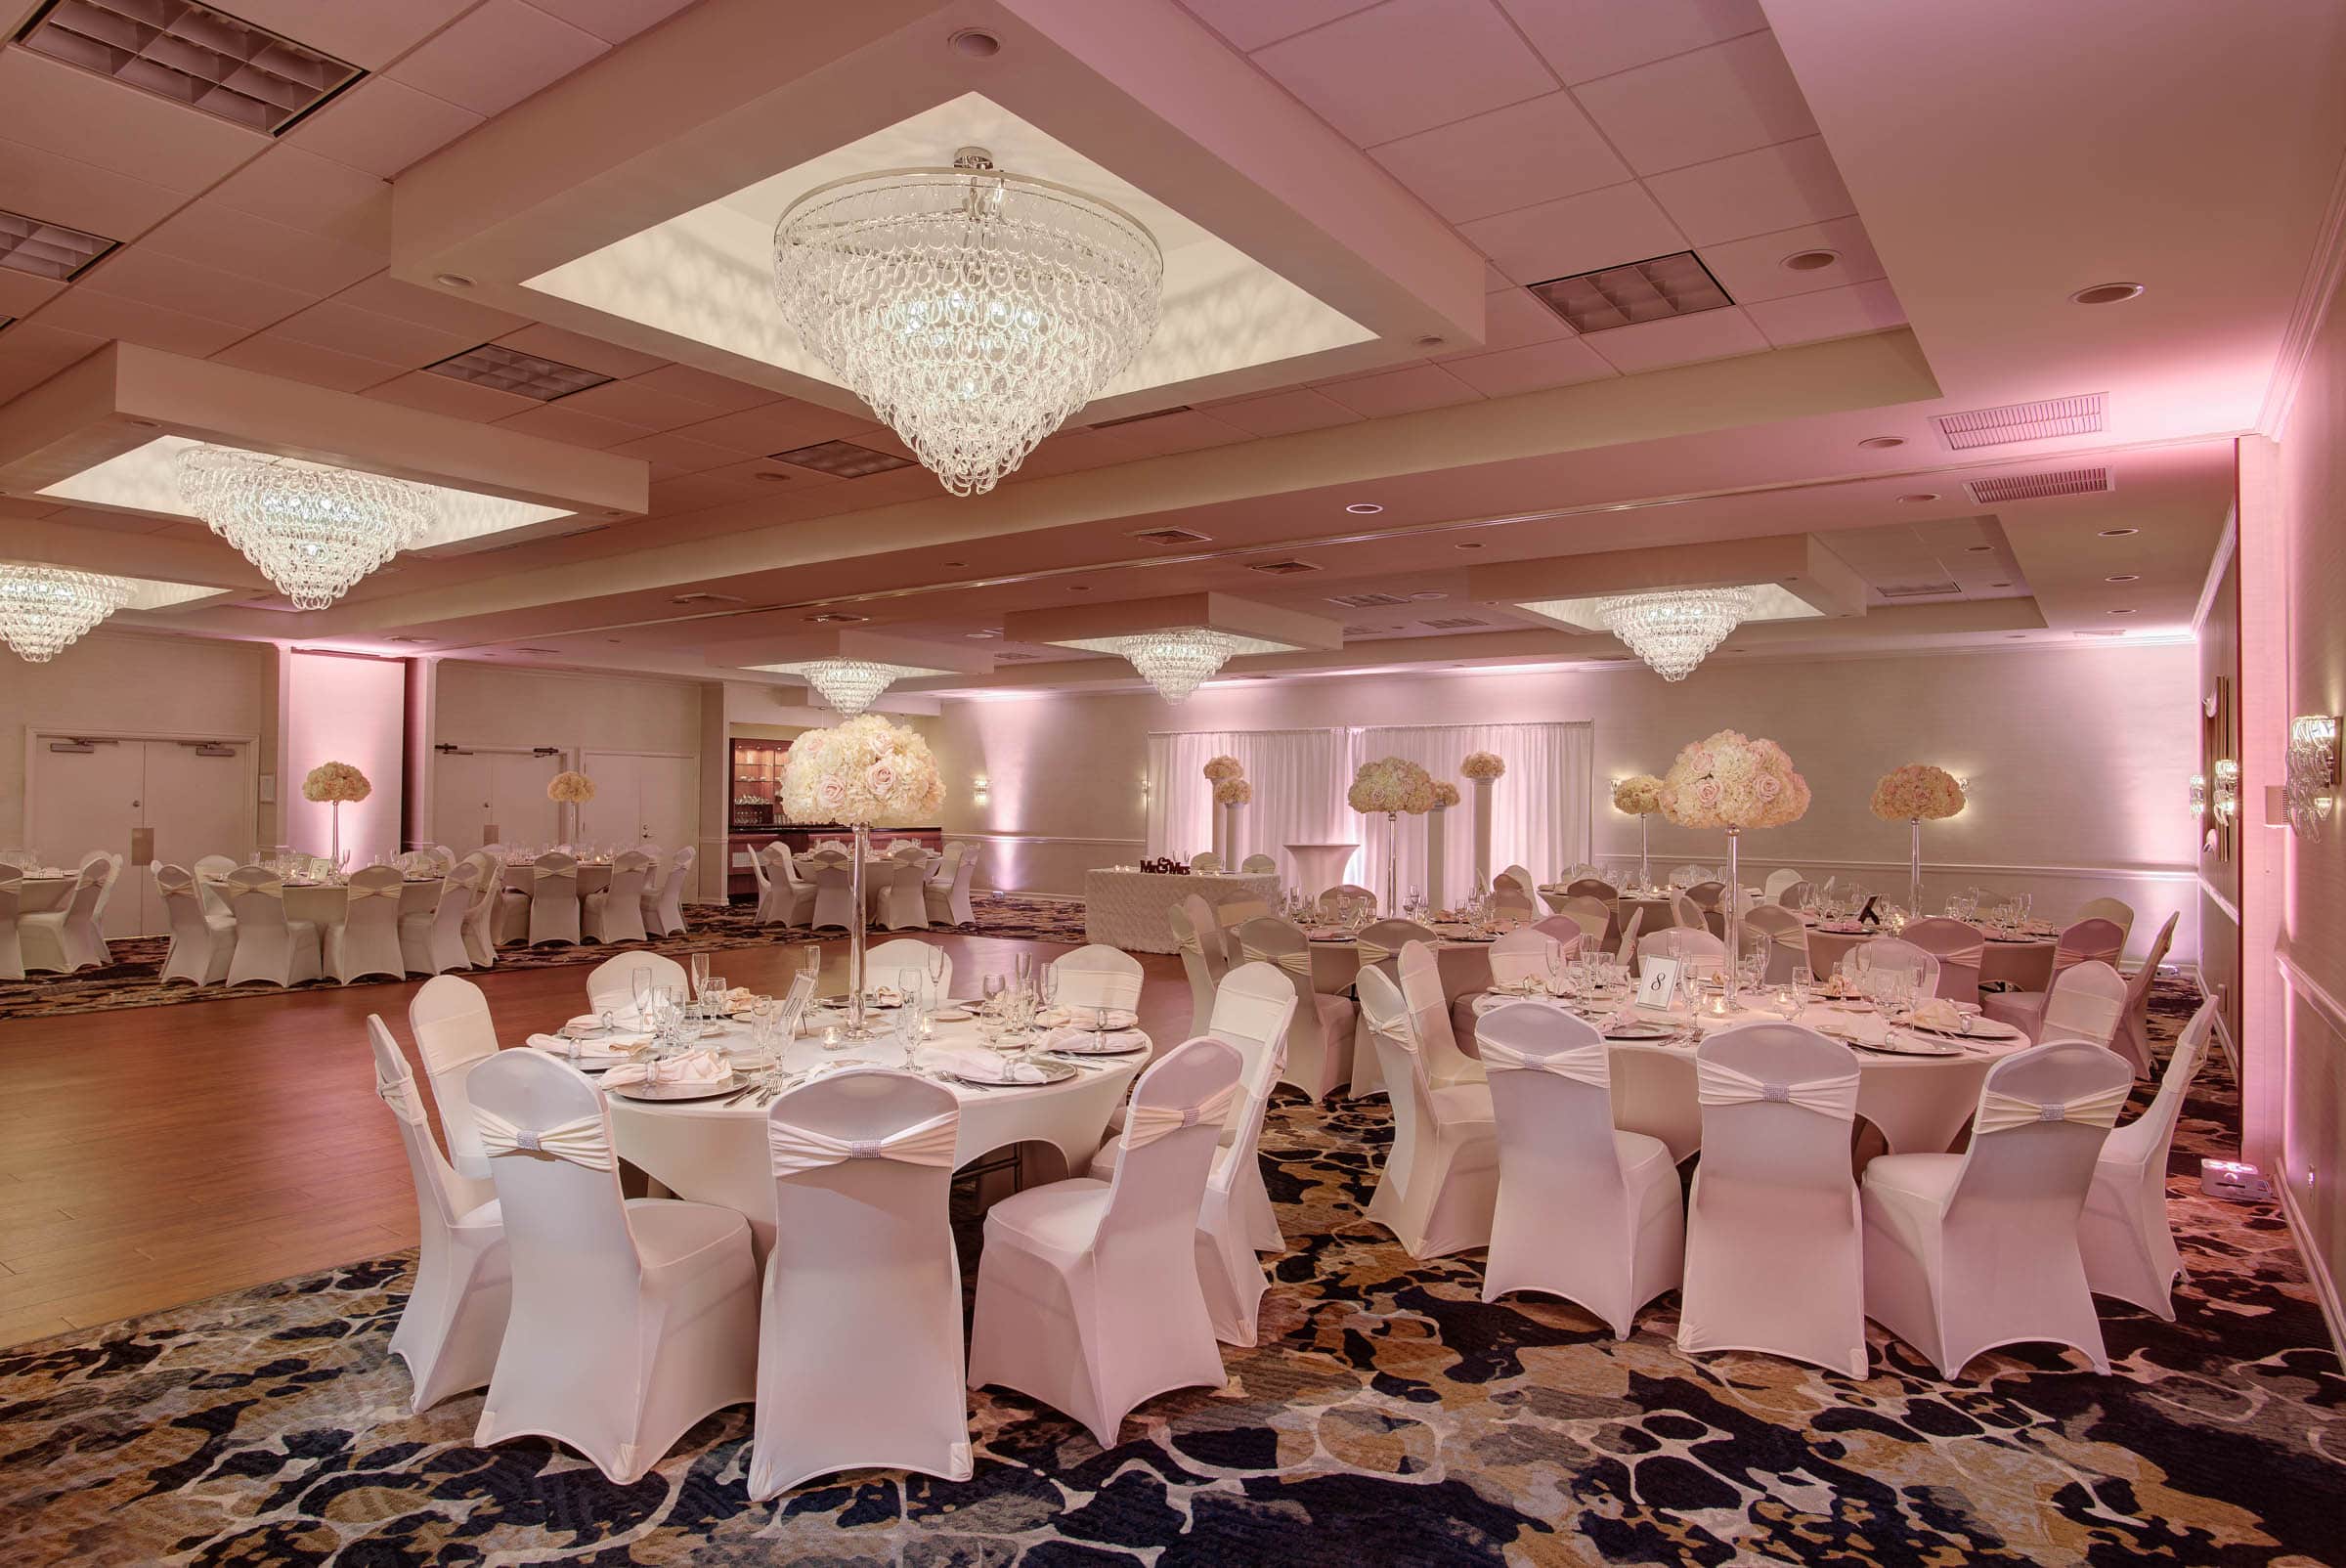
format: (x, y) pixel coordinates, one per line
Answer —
(1388, 1417)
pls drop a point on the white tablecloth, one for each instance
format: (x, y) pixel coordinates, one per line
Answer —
(1127, 908)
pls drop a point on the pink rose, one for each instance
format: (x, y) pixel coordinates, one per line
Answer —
(830, 794)
(1708, 794)
(881, 779)
(1767, 787)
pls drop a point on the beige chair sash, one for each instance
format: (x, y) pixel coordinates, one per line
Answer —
(1257, 1018)
(399, 1094)
(1717, 1084)
(2000, 1111)
(1145, 1124)
(390, 891)
(924, 1142)
(2093, 1018)
(1591, 1064)
(582, 1142)
(1372, 953)
(1296, 963)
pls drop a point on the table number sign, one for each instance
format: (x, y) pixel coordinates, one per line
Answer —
(1658, 983)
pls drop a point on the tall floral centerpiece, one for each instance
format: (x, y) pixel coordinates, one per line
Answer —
(1640, 796)
(1916, 794)
(1732, 782)
(334, 783)
(1231, 796)
(869, 772)
(1221, 770)
(1481, 769)
(1391, 785)
(568, 790)
(1437, 833)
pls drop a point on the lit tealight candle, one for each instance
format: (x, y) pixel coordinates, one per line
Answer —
(831, 1037)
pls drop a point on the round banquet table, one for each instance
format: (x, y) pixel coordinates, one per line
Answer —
(36, 895)
(1319, 866)
(595, 876)
(714, 1152)
(326, 903)
(2025, 962)
(1918, 1104)
(1464, 964)
(1127, 909)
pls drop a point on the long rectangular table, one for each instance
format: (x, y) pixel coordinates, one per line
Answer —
(1127, 908)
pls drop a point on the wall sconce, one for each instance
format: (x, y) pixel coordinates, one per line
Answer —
(2312, 789)
(2228, 791)
(2198, 796)
(977, 789)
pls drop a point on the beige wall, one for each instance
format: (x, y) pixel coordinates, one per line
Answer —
(2078, 759)
(492, 705)
(2220, 873)
(127, 684)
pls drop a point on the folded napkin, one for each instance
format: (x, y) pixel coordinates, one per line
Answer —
(623, 1017)
(1858, 1028)
(606, 1045)
(693, 1066)
(1938, 1012)
(1079, 1042)
(983, 1067)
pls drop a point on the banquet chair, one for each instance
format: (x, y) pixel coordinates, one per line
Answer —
(1686, 876)
(202, 944)
(834, 896)
(1260, 866)
(1205, 860)
(664, 900)
(1708, 899)
(903, 901)
(1593, 915)
(2093, 940)
(480, 919)
(1098, 979)
(2117, 911)
(1797, 897)
(633, 1317)
(1887, 953)
(1597, 887)
(1378, 946)
(1237, 1221)
(58, 941)
(761, 878)
(1522, 954)
(1331, 902)
(268, 947)
(1772, 1250)
(2087, 1002)
(907, 850)
(12, 951)
(431, 941)
(1088, 1297)
(1319, 1044)
(1232, 916)
(1520, 877)
(1700, 952)
(1960, 949)
(892, 962)
(783, 899)
(1685, 914)
(1506, 898)
(116, 864)
(1787, 938)
(1565, 930)
(1202, 959)
(948, 901)
(1626, 948)
(1778, 880)
(1420, 974)
(554, 901)
(1966, 1252)
(449, 1017)
(1654, 1092)
(859, 1362)
(211, 871)
(2133, 1040)
(615, 913)
(1441, 1177)
(454, 1317)
(1584, 1211)
(2124, 1234)
(365, 939)
(611, 984)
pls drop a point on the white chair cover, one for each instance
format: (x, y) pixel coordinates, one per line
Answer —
(202, 944)
(1584, 1211)
(450, 1021)
(2128, 1247)
(1593, 915)
(365, 939)
(1786, 941)
(1441, 1178)
(1778, 880)
(554, 899)
(2086, 1003)
(834, 896)
(12, 949)
(1202, 961)
(664, 901)
(457, 1308)
(631, 1320)
(1698, 951)
(615, 913)
(211, 871)
(1966, 1253)
(431, 941)
(903, 897)
(1896, 954)
(950, 902)
(268, 947)
(1959, 949)
(1088, 1297)
(65, 939)
(1319, 1049)
(2133, 1039)
(2117, 911)
(1205, 860)
(859, 1361)
(903, 963)
(1419, 971)
(1260, 866)
(1772, 1255)
(480, 921)
(1096, 977)
(611, 984)
(1335, 898)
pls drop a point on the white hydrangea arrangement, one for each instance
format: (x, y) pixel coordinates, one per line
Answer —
(570, 789)
(1732, 781)
(335, 781)
(1483, 767)
(869, 771)
(1446, 794)
(1233, 791)
(1917, 792)
(1391, 784)
(1638, 795)
(1222, 769)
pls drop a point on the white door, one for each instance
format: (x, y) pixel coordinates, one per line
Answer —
(461, 803)
(671, 788)
(145, 801)
(517, 796)
(196, 805)
(641, 799)
(613, 816)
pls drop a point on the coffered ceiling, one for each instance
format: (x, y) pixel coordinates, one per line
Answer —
(1894, 206)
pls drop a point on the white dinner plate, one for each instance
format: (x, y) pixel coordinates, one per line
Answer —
(1053, 1072)
(673, 1093)
(1640, 1031)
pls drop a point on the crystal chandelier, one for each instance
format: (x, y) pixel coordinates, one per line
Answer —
(974, 309)
(1176, 662)
(850, 685)
(1675, 631)
(44, 608)
(313, 531)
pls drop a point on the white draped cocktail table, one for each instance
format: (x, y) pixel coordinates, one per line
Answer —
(1320, 866)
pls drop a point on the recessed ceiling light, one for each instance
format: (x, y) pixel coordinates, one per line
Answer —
(47, 249)
(771, 477)
(509, 370)
(2124, 576)
(2118, 612)
(1999, 584)
(1677, 285)
(982, 635)
(2016, 634)
(1078, 588)
(1882, 443)
(1364, 508)
(1431, 340)
(1426, 595)
(1809, 260)
(2106, 294)
(974, 42)
(1980, 550)
(2116, 533)
(1469, 545)
(452, 280)
(1919, 498)
(836, 617)
(954, 566)
(191, 54)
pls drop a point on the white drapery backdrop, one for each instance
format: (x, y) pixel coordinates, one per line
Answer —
(1298, 775)
(1540, 810)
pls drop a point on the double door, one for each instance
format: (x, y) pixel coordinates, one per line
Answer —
(171, 801)
(640, 798)
(480, 797)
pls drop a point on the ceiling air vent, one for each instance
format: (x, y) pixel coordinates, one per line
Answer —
(1140, 419)
(546, 652)
(1454, 623)
(2039, 487)
(47, 249)
(2041, 421)
(1010, 656)
(837, 618)
(704, 597)
(509, 370)
(1367, 601)
(192, 54)
(842, 460)
(1167, 536)
(1677, 285)
(1287, 568)
(1917, 591)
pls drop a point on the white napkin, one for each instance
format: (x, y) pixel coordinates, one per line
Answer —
(693, 1066)
(983, 1067)
(1081, 1042)
(623, 1017)
(1858, 1028)
(1938, 1012)
(608, 1045)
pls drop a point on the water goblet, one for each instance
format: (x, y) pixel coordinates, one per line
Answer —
(699, 965)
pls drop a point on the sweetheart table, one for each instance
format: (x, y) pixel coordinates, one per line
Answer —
(1127, 909)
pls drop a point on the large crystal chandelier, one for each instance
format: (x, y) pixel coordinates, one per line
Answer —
(1675, 631)
(1176, 662)
(313, 531)
(44, 608)
(974, 309)
(850, 685)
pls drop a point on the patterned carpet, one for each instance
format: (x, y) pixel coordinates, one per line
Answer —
(130, 981)
(1388, 1417)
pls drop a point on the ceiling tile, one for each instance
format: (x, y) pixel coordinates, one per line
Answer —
(306, 362)
(1252, 23)
(31, 354)
(559, 421)
(576, 348)
(41, 184)
(1753, 192)
(116, 126)
(1588, 38)
(81, 310)
(371, 335)
(630, 401)
(1284, 413)
(1715, 334)
(315, 194)
(1406, 390)
(681, 453)
(496, 56)
(1526, 153)
(1754, 269)
(696, 491)
(445, 394)
(1869, 307)
(745, 477)
(1407, 65)
(1730, 98)
(1606, 228)
(448, 311)
(21, 292)
(137, 271)
(1527, 369)
(614, 21)
(239, 243)
(1511, 319)
(382, 126)
(369, 35)
(775, 427)
(720, 393)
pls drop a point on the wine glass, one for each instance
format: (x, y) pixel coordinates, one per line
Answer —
(699, 962)
(640, 988)
(936, 977)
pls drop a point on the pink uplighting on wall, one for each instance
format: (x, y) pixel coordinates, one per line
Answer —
(343, 709)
